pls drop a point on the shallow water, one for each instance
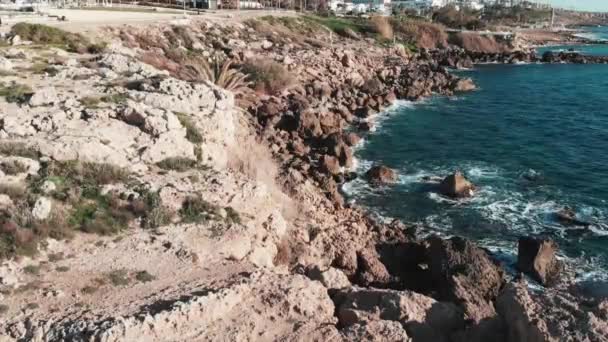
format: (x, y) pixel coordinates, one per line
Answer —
(549, 121)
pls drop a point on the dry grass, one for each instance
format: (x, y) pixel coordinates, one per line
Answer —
(478, 43)
(382, 26)
(13, 167)
(18, 149)
(15, 92)
(192, 133)
(47, 35)
(178, 164)
(268, 76)
(421, 34)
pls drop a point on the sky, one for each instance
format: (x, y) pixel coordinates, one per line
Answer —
(585, 5)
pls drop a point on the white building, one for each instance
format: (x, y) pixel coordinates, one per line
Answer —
(416, 5)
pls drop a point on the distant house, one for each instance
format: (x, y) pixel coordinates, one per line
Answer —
(420, 6)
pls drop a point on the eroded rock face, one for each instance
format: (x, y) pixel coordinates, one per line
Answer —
(456, 186)
(424, 318)
(261, 304)
(376, 331)
(381, 174)
(464, 273)
(522, 317)
(536, 257)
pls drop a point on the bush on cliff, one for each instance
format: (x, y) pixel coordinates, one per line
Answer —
(420, 33)
(47, 35)
(268, 76)
(450, 16)
(382, 26)
(471, 41)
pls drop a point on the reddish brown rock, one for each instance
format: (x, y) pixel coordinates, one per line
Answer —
(464, 273)
(381, 174)
(370, 270)
(536, 258)
(456, 186)
(352, 139)
(330, 164)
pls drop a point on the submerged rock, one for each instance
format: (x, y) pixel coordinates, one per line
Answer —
(456, 186)
(567, 216)
(536, 258)
(381, 174)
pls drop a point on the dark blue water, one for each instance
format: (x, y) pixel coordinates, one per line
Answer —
(547, 120)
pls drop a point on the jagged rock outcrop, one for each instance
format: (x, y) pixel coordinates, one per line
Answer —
(456, 186)
(536, 257)
(381, 174)
(464, 273)
(424, 318)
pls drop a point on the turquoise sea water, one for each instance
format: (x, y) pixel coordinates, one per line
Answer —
(596, 33)
(545, 121)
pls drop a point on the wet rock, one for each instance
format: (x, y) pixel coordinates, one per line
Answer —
(352, 139)
(464, 273)
(567, 216)
(522, 317)
(381, 174)
(463, 85)
(456, 186)
(365, 126)
(536, 258)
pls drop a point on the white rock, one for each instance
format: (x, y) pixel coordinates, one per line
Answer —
(267, 45)
(5, 201)
(16, 40)
(5, 64)
(47, 187)
(44, 96)
(42, 208)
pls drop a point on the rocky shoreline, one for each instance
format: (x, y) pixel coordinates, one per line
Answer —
(299, 263)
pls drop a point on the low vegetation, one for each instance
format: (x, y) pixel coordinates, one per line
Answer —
(382, 26)
(47, 35)
(268, 76)
(12, 167)
(179, 164)
(119, 277)
(144, 276)
(419, 33)
(15, 92)
(18, 149)
(196, 210)
(192, 133)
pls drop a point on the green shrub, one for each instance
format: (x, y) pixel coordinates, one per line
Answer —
(179, 164)
(144, 276)
(192, 133)
(232, 215)
(62, 269)
(15, 92)
(119, 277)
(196, 210)
(19, 150)
(47, 35)
(268, 76)
(32, 269)
(13, 167)
(90, 102)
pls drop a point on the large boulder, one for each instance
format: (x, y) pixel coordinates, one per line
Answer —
(381, 174)
(463, 85)
(424, 318)
(464, 273)
(371, 271)
(376, 331)
(44, 96)
(522, 317)
(330, 164)
(536, 258)
(456, 186)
